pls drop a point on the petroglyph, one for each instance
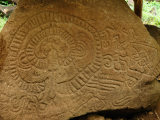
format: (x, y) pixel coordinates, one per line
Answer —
(60, 65)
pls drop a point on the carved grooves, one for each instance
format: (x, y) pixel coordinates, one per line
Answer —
(125, 58)
(82, 78)
(35, 58)
(105, 84)
(3, 53)
(26, 53)
(157, 70)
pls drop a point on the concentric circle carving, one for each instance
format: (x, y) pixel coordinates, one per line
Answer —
(48, 47)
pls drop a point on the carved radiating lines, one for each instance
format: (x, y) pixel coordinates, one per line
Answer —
(81, 79)
(106, 85)
(157, 70)
(124, 59)
(26, 52)
(36, 57)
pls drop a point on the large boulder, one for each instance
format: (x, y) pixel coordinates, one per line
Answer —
(66, 58)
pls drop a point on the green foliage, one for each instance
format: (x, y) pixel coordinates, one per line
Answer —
(151, 13)
(2, 22)
(126, 1)
(4, 2)
(3, 19)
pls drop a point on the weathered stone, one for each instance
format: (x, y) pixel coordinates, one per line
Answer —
(92, 117)
(3, 52)
(67, 58)
(1, 118)
(154, 32)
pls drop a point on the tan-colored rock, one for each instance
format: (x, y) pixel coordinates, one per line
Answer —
(3, 52)
(67, 58)
(151, 113)
(92, 117)
(1, 118)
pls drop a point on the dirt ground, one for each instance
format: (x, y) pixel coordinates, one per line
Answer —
(149, 115)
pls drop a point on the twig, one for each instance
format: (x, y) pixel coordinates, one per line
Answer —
(157, 115)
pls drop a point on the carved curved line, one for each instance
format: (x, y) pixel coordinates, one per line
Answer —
(93, 68)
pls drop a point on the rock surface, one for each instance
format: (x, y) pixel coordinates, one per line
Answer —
(154, 32)
(3, 52)
(67, 58)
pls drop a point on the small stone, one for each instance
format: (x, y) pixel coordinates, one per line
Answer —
(92, 117)
(95, 117)
(151, 113)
